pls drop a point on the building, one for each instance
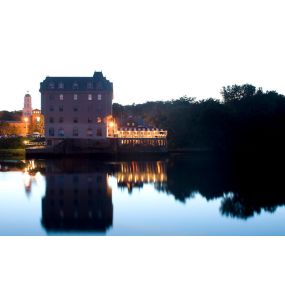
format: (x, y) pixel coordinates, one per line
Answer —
(27, 110)
(76, 107)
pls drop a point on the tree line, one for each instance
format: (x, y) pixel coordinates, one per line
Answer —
(247, 118)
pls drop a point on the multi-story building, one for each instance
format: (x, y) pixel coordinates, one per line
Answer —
(76, 107)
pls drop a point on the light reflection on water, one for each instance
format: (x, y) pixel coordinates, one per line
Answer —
(178, 196)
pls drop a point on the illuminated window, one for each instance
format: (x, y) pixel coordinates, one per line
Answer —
(61, 97)
(89, 97)
(60, 85)
(99, 120)
(99, 97)
(75, 97)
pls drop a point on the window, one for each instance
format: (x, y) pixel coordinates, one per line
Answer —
(51, 108)
(89, 97)
(99, 132)
(75, 132)
(61, 97)
(60, 108)
(60, 85)
(75, 120)
(61, 120)
(99, 96)
(51, 120)
(61, 132)
(51, 85)
(75, 85)
(89, 132)
(51, 132)
(75, 97)
(89, 85)
(99, 120)
(89, 120)
(75, 109)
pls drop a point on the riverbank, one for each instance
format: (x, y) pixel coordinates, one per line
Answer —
(12, 153)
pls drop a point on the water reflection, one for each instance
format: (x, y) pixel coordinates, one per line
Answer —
(134, 174)
(78, 196)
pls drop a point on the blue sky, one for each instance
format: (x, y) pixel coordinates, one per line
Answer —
(150, 50)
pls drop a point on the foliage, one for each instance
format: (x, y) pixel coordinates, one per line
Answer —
(247, 119)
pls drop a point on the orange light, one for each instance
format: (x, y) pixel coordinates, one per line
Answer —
(111, 124)
(26, 119)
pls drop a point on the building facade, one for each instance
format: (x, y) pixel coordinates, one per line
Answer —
(76, 107)
(27, 110)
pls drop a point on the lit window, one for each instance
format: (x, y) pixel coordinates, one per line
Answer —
(75, 97)
(99, 97)
(60, 85)
(89, 97)
(99, 120)
(61, 97)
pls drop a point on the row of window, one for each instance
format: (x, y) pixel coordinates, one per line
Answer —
(75, 85)
(75, 132)
(90, 97)
(75, 120)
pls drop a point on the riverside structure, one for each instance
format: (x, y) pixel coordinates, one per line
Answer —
(78, 119)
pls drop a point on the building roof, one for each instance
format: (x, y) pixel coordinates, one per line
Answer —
(97, 82)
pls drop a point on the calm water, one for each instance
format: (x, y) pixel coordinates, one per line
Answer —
(193, 195)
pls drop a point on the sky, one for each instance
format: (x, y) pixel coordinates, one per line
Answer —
(151, 50)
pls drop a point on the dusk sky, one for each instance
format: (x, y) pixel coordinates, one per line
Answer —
(150, 50)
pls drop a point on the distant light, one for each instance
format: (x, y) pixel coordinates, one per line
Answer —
(111, 124)
(26, 119)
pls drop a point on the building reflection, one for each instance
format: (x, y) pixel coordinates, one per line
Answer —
(77, 197)
(134, 174)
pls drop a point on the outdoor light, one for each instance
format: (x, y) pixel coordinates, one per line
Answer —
(111, 124)
(38, 119)
(26, 119)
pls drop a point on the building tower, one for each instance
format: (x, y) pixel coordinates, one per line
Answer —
(27, 110)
